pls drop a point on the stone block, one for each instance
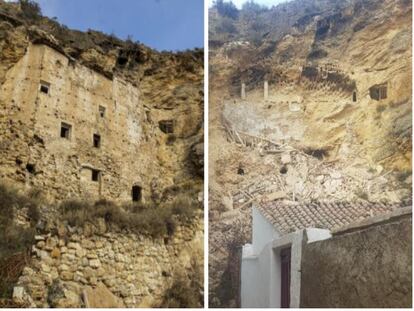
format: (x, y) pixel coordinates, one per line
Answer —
(101, 297)
(73, 245)
(66, 275)
(286, 158)
(55, 253)
(94, 263)
(40, 244)
(63, 267)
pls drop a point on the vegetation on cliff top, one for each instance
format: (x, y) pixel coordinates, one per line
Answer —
(91, 48)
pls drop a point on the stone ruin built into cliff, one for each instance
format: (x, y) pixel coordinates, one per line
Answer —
(72, 131)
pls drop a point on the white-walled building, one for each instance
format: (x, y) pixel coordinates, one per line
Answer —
(271, 265)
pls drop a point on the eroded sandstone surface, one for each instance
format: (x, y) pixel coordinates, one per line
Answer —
(87, 116)
(310, 100)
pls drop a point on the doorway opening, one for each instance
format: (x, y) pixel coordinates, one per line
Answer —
(285, 277)
(136, 193)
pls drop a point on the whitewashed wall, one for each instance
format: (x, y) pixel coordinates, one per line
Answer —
(261, 266)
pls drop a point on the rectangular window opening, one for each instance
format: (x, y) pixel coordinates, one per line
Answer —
(136, 193)
(44, 87)
(378, 92)
(102, 111)
(96, 140)
(95, 175)
(65, 130)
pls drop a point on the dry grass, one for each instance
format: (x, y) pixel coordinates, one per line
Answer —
(148, 219)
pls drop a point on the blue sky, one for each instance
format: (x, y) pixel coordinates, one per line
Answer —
(160, 24)
(239, 3)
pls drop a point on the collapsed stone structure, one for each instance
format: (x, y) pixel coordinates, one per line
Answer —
(73, 131)
(349, 131)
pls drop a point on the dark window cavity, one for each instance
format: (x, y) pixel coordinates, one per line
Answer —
(95, 175)
(167, 126)
(96, 140)
(102, 111)
(136, 193)
(44, 87)
(65, 130)
(30, 168)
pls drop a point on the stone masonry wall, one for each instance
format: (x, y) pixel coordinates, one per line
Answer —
(135, 269)
(370, 267)
(32, 151)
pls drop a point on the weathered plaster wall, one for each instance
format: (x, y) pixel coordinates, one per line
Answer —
(30, 129)
(257, 261)
(134, 268)
(370, 267)
(263, 232)
(261, 264)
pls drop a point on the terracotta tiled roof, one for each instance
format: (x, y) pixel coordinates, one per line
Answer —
(291, 216)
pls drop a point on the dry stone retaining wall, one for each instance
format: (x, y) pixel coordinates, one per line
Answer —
(135, 269)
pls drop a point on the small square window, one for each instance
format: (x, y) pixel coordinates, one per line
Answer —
(102, 111)
(44, 87)
(95, 175)
(65, 130)
(96, 140)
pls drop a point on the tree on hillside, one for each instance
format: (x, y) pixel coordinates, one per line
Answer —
(227, 9)
(30, 9)
(253, 7)
(250, 14)
(226, 26)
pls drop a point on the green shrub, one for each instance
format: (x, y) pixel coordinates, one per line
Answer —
(30, 9)
(15, 238)
(226, 25)
(227, 9)
(76, 212)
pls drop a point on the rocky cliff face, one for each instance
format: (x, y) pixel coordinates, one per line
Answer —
(170, 86)
(335, 34)
(320, 132)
